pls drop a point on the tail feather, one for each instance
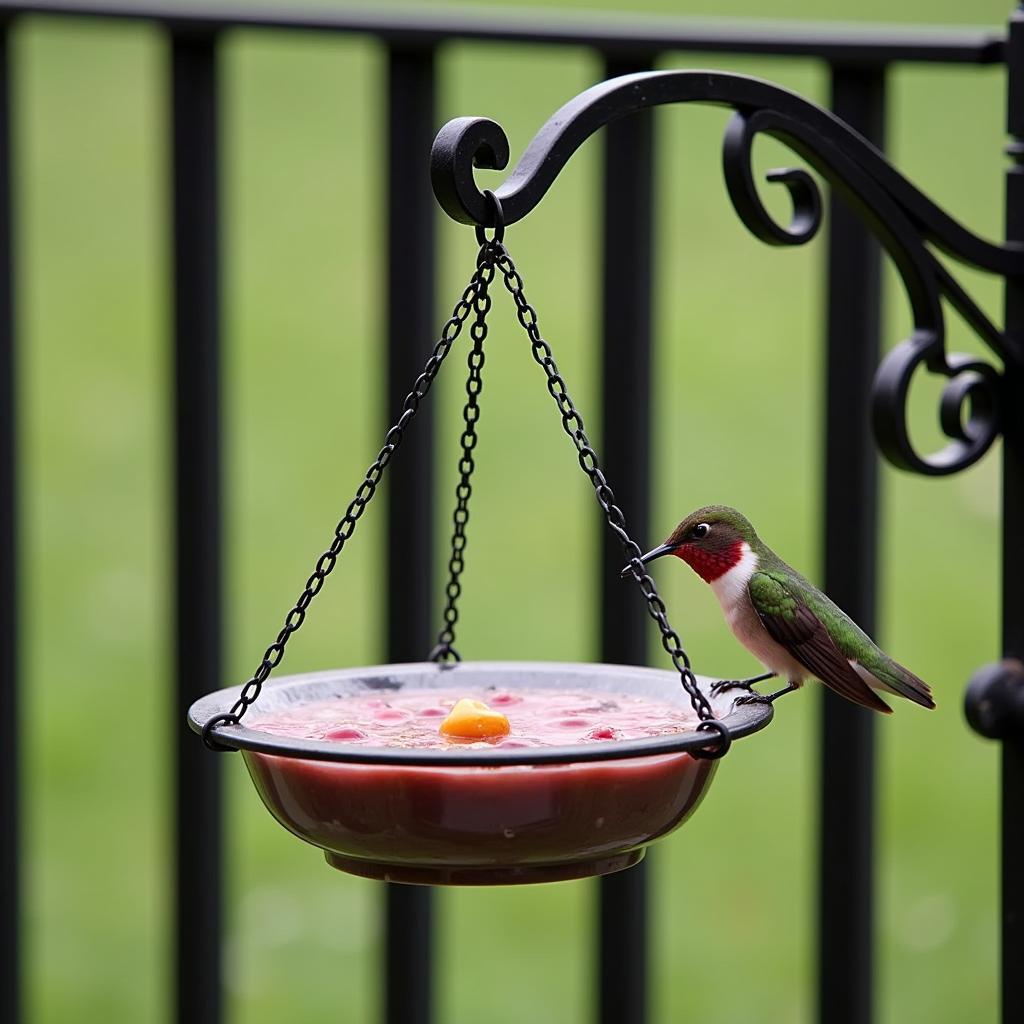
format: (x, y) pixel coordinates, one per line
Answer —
(902, 681)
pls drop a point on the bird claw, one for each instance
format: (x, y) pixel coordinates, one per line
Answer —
(766, 698)
(724, 685)
(755, 698)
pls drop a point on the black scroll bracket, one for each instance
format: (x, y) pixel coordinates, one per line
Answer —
(912, 229)
(905, 221)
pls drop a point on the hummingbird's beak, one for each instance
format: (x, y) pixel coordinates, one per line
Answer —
(662, 549)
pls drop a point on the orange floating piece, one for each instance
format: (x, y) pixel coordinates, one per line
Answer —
(474, 720)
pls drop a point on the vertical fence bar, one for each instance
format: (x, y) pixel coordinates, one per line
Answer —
(625, 449)
(411, 251)
(198, 508)
(846, 872)
(1012, 808)
(10, 901)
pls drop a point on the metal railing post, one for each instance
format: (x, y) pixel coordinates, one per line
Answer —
(198, 475)
(409, 543)
(1012, 817)
(847, 745)
(626, 249)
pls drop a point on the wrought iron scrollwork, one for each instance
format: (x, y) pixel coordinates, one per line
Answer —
(908, 224)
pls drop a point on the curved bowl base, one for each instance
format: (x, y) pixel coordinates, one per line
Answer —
(491, 875)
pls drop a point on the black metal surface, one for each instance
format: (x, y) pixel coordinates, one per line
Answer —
(623, 960)
(10, 721)
(1012, 803)
(741, 719)
(847, 780)
(627, 198)
(622, 34)
(408, 959)
(408, 996)
(198, 628)
(411, 259)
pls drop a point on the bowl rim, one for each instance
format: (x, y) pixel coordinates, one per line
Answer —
(741, 719)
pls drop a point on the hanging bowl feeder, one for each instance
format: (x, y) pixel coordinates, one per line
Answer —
(470, 816)
(479, 814)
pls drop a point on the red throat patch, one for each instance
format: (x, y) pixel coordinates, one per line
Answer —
(709, 565)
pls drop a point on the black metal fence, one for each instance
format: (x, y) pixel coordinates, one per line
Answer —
(857, 61)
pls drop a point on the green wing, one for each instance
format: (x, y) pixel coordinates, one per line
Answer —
(794, 626)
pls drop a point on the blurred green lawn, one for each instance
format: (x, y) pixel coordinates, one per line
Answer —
(739, 364)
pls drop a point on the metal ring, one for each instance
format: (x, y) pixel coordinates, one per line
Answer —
(441, 651)
(226, 718)
(712, 724)
(497, 218)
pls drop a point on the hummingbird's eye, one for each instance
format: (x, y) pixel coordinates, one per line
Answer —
(701, 530)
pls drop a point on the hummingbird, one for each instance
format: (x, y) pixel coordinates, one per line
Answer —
(785, 621)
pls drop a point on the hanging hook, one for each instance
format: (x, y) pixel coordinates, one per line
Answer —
(496, 217)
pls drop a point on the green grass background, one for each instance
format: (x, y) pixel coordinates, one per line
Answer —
(738, 412)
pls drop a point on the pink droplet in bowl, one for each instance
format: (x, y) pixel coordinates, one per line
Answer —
(346, 732)
(390, 715)
(603, 732)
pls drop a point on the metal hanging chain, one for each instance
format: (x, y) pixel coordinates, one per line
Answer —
(572, 424)
(444, 650)
(250, 692)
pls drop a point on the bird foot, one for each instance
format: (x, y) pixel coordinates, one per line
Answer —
(724, 685)
(752, 698)
(766, 698)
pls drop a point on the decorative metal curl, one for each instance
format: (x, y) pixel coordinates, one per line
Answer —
(737, 164)
(905, 221)
(968, 408)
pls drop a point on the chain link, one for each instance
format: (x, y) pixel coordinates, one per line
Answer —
(250, 692)
(445, 649)
(572, 424)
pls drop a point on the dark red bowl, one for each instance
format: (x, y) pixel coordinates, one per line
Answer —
(477, 816)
